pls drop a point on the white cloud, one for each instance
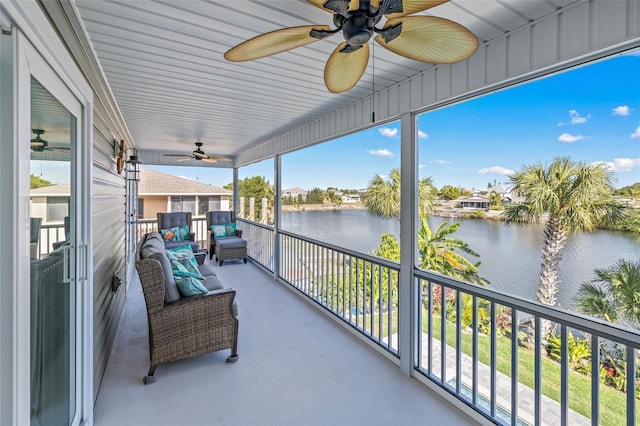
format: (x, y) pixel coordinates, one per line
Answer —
(496, 169)
(421, 166)
(576, 118)
(636, 134)
(622, 110)
(622, 164)
(567, 138)
(422, 135)
(385, 153)
(389, 132)
(439, 161)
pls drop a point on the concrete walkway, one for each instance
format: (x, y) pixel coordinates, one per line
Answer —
(526, 395)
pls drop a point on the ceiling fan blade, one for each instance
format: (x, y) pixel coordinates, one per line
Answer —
(343, 70)
(37, 144)
(274, 42)
(430, 39)
(209, 160)
(199, 154)
(60, 150)
(390, 8)
(336, 6)
(218, 158)
(180, 160)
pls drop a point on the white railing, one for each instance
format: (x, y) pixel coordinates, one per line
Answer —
(484, 347)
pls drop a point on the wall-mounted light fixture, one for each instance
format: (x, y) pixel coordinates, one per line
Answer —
(133, 168)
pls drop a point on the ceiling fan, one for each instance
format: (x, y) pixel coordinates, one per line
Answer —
(423, 38)
(40, 145)
(198, 155)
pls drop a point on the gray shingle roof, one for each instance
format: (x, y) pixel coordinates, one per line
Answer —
(153, 182)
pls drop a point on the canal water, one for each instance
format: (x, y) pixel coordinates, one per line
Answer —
(510, 255)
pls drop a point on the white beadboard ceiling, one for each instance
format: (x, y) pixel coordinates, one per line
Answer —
(164, 63)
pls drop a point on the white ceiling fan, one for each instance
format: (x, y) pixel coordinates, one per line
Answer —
(198, 155)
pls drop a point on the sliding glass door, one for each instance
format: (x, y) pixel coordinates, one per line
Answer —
(54, 301)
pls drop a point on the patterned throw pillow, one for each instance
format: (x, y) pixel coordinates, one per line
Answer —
(218, 231)
(170, 234)
(183, 233)
(185, 254)
(188, 278)
(231, 229)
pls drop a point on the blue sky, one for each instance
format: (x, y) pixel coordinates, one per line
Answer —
(591, 114)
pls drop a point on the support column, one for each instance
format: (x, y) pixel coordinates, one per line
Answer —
(235, 194)
(277, 205)
(408, 242)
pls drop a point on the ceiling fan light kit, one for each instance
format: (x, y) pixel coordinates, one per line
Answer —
(422, 38)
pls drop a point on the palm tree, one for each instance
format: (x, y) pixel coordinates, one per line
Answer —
(382, 197)
(437, 252)
(573, 197)
(614, 294)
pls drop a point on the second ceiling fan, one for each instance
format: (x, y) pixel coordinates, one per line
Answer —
(423, 38)
(198, 155)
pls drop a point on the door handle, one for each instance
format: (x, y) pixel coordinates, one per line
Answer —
(66, 251)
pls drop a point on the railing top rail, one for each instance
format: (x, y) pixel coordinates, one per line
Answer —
(373, 259)
(258, 224)
(615, 332)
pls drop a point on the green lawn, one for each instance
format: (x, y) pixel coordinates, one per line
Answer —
(612, 402)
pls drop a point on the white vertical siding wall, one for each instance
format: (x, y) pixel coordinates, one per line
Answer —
(582, 32)
(107, 187)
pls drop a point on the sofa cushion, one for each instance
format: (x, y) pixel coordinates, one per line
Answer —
(213, 283)
(153, 247)
(206, 270)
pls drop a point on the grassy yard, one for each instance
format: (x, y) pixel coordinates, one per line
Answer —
(612, 402)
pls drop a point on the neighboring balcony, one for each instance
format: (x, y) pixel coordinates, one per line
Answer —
(503, 379)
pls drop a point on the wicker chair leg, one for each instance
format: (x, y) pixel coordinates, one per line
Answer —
(234, 350)
(148, 379)
(220, 262)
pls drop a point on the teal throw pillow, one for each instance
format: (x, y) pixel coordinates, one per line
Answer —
(185, 254)
(218, 231)
(170, 234)
(230, 229)
(183, 233)
(188, 278)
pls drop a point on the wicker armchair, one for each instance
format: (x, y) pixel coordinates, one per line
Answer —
(173, 219)
(232, 247)
(188, 327)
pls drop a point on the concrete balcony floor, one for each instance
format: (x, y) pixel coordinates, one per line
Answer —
(296, 367)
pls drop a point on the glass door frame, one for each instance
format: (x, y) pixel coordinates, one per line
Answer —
(32, 48)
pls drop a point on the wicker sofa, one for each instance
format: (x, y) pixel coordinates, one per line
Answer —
(183, 327)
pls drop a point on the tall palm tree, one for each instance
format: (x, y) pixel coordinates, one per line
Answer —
(614, 294)
(382, 197)
(572, 197)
